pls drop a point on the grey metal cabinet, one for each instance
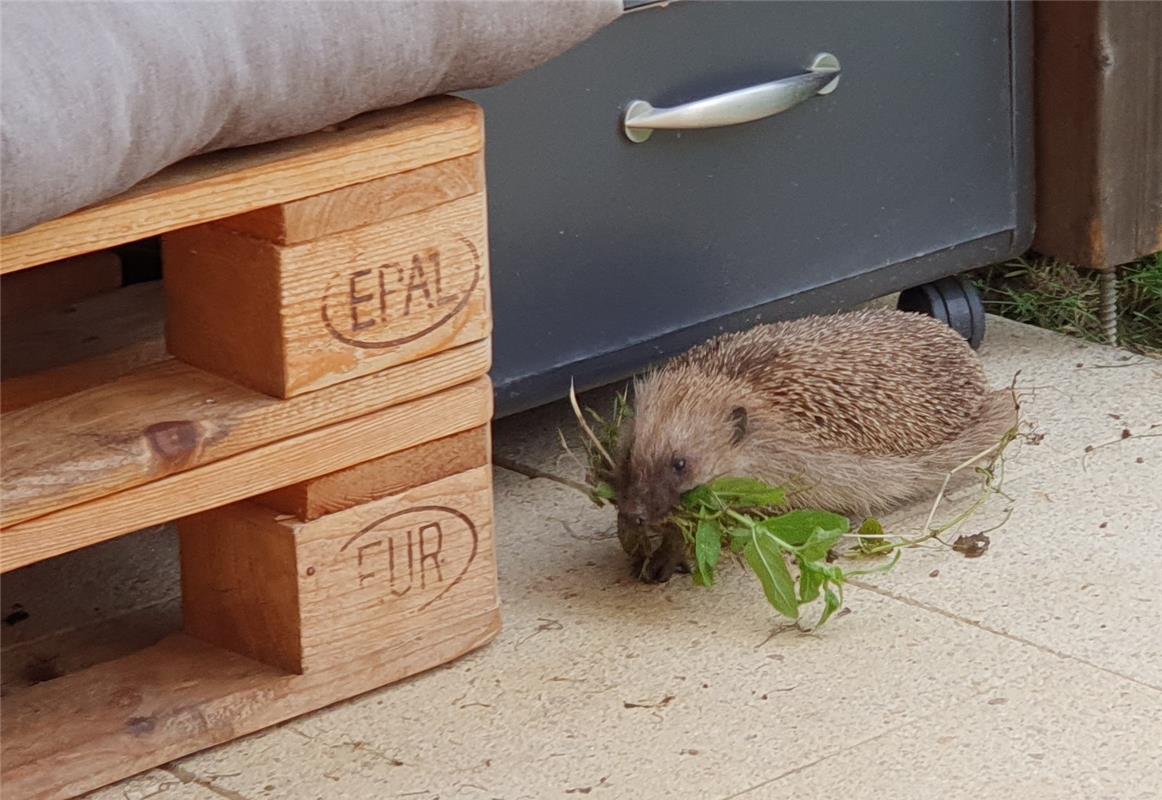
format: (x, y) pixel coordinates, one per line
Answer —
(608, 255)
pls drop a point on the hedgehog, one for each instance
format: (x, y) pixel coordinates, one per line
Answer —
(856, 413)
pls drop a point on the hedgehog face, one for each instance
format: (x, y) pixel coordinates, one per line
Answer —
(680, 440)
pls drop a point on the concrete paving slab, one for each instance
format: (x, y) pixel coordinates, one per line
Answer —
(1057, 734)
(1075, 569)
(1075, 393)
(157, 784)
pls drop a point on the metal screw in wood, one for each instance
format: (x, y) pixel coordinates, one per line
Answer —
(1109, 305)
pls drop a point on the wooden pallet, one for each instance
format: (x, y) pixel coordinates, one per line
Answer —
(305, 394)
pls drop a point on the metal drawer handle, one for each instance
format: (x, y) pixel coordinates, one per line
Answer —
(732, 108)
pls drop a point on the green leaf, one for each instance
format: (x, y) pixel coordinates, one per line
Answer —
(748, 492)
(873, 546)
(829, 572)
(707, 549)
(700, 497)
(796, 527)
(831, 604)
(766, 560)
(604, 491)
(881, 568)
(809, 584)
(820, 541)
(739, 538)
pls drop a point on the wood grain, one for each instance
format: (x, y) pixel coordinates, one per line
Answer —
(1098, 131)
(299, 318)
(60, 283)
(230, 182)
(390, 569)
(28, 390)
(309, 596)
(91, 728)
(169, 417)
(364, 203)
(380, 477)
(257, 468)
(240, 584)
(92, 327)
(60, 351)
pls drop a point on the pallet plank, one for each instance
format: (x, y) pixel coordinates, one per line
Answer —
(229, 182)
(364, 203)
(170, 417)
(94, 341)
(182, 696)
(255, 469)
(92, 327)
(60, 283)
(371, 480)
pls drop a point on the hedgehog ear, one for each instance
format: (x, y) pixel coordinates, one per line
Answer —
(738, 424)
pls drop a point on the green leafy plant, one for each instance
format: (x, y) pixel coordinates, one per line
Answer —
(746, 518)
(740, 514)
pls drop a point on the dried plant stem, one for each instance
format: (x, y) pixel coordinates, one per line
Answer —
(533, 472)
(1089, 450)
(947, 478)
(585, 427)
(989, 487)
(569, 451)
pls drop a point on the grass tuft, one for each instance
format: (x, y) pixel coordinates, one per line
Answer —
(1060, 297)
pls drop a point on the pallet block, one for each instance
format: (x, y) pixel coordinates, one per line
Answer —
(287, 319)
(310, 595)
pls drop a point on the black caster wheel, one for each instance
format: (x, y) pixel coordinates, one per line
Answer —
(954, 301)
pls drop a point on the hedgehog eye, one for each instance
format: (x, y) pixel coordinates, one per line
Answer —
(679, 465)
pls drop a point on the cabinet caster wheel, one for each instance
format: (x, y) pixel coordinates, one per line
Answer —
(954, 301)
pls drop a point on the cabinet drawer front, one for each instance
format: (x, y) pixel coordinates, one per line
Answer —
(598, 242)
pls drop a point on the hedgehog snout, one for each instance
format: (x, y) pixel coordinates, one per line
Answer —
(649, 505)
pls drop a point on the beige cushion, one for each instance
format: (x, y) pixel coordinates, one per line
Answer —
(95, 97)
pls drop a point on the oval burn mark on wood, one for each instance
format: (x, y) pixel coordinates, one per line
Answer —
(174, 443)
(416, 551)
(386, 305)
